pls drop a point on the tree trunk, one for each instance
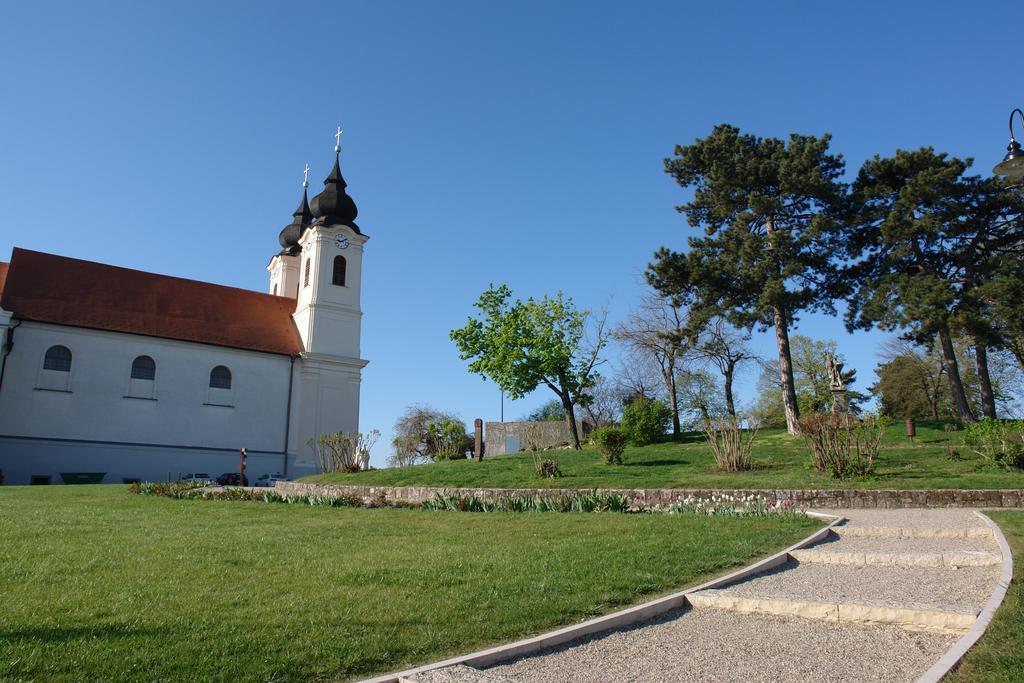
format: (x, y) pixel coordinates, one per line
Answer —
(785, 358)
(988, 397)
(786, 371)
(673, 399)
(730, 370)
(570, 416)
(956, 386)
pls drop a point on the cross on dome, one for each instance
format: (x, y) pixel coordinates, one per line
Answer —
(337, 143)
(305, 176)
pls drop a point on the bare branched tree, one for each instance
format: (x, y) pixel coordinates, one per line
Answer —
(658, 330)
(724, 347)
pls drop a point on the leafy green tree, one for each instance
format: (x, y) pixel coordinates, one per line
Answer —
(520, 345)
(552, 411)
(925, 242)
(768, 210)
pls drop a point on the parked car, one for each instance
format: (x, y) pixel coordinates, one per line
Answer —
(197, 478)
(269, 479)
(230, 479)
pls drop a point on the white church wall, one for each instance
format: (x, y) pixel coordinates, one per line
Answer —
(99, 402)
(23, 458)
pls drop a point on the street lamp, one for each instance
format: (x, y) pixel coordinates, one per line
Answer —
(1012, 165)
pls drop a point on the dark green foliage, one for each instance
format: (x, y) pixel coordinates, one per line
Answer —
(768, 209)
(927, 244)
(611, 443)
(645, 421)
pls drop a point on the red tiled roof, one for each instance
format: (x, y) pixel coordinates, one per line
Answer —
(67, 291)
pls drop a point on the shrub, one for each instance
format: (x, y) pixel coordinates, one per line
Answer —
(343, 451)
(611, 443)
(545, 468)
(841, 444)
(730, 443)
(645, 421)
(999, 442)
(448, 439)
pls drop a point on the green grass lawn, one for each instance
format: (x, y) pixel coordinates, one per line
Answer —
(99, 584)
(781, 461)
(999, 655)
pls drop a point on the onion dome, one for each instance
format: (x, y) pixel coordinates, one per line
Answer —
(289, 237)
(333, 206)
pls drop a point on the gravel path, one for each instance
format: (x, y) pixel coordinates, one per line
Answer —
(911, 518)
(954, 590)
(713, 645)
(868, 544)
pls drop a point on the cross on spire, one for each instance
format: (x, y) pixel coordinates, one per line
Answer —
(305, 177)
(337, 138)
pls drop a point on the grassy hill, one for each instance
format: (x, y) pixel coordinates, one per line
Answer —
(781, 461)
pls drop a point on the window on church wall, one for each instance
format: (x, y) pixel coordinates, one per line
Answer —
(305, 279)
(220, 377)
(339, 271)
(57, 358)
(144, 367)
(275, 289)
(55, 374)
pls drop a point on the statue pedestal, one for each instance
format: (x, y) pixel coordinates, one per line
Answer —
(839, 403)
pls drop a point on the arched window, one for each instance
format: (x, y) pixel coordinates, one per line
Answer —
(57, 358)
(220, 377)
(305, 281)
(339, 271)
(144, 367)
(275, 289)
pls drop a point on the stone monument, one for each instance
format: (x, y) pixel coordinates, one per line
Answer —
(837, 385)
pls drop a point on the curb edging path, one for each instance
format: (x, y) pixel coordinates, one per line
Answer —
(811, 498)
(951, 660)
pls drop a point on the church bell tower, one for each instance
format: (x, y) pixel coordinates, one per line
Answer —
(321, 265)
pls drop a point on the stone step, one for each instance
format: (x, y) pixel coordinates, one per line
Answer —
(913, 532)
(930, 620)
(953, 559)
(459, 673)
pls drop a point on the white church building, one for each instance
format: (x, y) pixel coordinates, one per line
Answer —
(138, 376)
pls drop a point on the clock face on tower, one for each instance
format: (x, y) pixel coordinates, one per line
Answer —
(341, 241)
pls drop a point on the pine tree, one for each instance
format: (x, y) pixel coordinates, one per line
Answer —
(768, 210)
(924, 245)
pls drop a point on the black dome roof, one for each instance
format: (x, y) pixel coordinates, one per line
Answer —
(333, 206)
(289, 237)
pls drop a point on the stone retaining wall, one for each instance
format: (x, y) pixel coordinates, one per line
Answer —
(855, 498)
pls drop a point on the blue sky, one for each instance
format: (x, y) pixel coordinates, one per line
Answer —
(518, 143)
